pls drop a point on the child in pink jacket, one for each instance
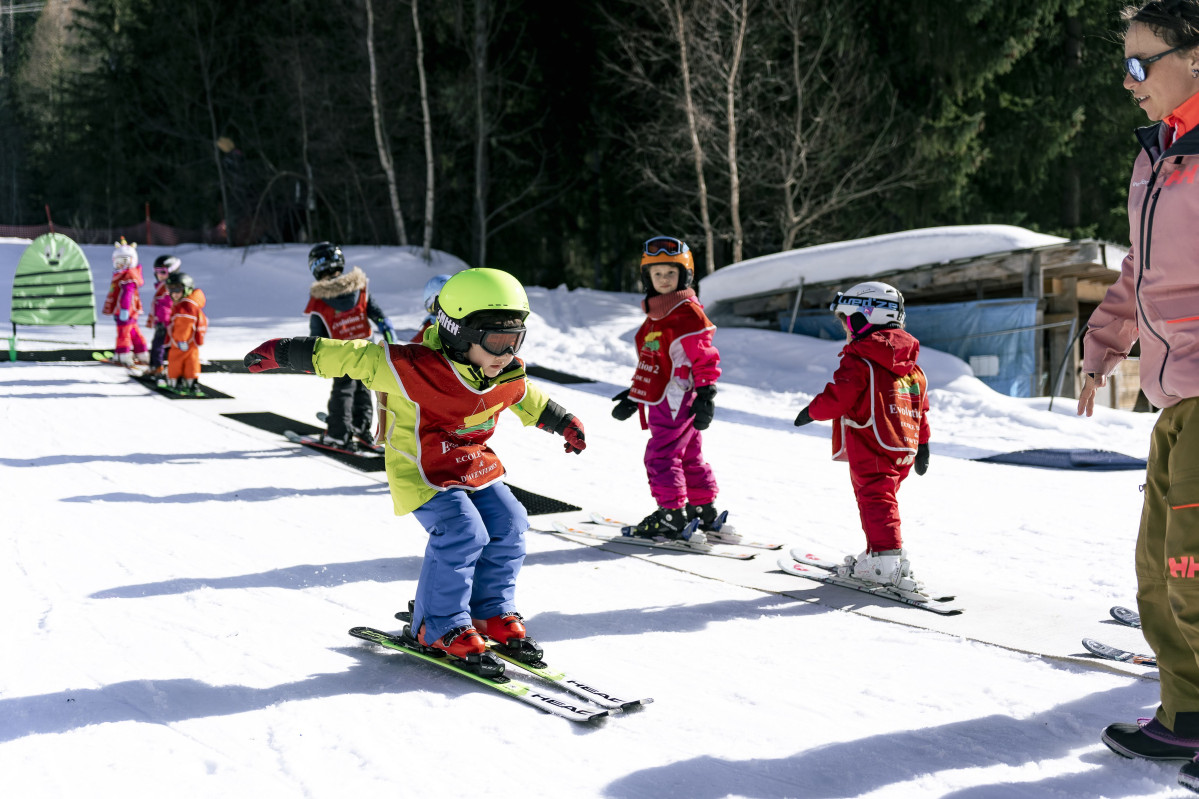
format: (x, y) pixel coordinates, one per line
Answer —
(160, 313)
(124, 303)
(674, 387)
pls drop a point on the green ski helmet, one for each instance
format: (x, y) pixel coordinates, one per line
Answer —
(481, 306)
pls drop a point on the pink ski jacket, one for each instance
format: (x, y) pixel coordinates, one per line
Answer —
(1156, 298)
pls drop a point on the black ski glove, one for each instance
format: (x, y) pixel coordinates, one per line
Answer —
(921, 465)
(704, 406)
(625, 407)
(804, 417)
(281, 353)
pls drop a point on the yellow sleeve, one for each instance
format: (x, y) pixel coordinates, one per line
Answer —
(360, 359)
(531, 406)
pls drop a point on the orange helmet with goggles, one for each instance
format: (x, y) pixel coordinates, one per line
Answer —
(667, 250)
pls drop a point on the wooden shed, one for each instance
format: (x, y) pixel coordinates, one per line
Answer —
(1067, 280)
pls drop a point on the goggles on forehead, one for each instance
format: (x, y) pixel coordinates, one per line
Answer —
(1135, 67)
(664, 245)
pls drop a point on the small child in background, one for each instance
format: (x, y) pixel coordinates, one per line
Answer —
(160, 314)
(674, 388)
(880, 397)
(186, 330)
(432, 288)
(124, 303)
(340, 307)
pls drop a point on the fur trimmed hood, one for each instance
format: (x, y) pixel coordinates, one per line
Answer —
(345, 283)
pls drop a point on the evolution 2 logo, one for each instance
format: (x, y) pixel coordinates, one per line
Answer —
(651, 341)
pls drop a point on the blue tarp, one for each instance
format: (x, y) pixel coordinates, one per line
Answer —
(964, 329)
(1097, 460)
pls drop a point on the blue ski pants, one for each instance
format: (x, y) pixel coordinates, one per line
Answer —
(475, 550)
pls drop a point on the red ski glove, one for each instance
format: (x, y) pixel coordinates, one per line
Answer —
(282, 353)
(264, 357)
(573, 433)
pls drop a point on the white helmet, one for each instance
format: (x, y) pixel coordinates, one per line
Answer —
(433, 287)
(123, 255)
(874, 304)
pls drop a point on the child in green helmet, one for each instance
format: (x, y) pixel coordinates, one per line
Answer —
(445, 396)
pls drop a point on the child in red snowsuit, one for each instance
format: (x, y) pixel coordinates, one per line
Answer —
(879, 397)
(124, 303)
(674, 388)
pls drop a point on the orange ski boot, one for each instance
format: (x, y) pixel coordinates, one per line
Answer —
(508, 631)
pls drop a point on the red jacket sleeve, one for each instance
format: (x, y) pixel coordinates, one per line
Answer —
(851, 382)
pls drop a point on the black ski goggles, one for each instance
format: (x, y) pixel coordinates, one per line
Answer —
(1135, 67)
(664, 245)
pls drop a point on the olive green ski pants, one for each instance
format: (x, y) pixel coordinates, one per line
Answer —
(1167, 562)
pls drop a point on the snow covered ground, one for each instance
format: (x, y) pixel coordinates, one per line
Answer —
(177, 586)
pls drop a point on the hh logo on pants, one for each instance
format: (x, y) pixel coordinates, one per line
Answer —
(1186, 566)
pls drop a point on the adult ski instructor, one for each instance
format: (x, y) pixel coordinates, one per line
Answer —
(1156, 300)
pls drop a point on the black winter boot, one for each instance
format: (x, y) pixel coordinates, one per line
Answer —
(1131, 740)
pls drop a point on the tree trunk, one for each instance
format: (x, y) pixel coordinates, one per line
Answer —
(202, 59)
(731, 117)
(426, 251)
(479, 58)
(381, 139)
(675, 9)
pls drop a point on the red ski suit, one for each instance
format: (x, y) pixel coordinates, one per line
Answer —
(879, 397)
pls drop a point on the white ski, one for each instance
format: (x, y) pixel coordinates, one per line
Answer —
(672, 545)
(793, 567)
(713, 536)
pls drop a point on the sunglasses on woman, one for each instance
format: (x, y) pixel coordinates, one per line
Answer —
(664, 245)
(1135, 67)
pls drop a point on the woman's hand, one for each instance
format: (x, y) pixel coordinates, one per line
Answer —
(1086, 399)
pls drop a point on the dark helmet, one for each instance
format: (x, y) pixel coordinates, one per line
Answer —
(181, 280)
(171, 263)
(325, 258)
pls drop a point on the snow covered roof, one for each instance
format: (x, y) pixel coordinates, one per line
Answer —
(866, 257)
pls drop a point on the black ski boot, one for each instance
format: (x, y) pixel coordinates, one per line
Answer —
(662, 523)
(707, 515)
(713, 524)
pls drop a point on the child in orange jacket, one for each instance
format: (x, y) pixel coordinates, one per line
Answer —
(186, 332)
